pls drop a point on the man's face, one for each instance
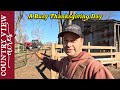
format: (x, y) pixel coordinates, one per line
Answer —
(72, 44)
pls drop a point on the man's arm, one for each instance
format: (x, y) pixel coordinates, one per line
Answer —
(49, 63)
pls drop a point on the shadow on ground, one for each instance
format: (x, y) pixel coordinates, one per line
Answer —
(41, 69)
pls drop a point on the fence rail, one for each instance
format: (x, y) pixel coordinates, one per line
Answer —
(94, 50)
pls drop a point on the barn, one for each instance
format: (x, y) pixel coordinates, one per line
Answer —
(100, 32)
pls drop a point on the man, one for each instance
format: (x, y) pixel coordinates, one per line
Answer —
(78, 64)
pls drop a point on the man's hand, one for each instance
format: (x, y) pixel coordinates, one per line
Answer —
(40, 55)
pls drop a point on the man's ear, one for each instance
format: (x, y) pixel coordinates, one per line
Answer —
(82, 41)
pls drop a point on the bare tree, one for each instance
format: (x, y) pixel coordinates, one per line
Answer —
(25, 38)
(37, 34)
(18, 26)
(18, 18)
(60, 27)
(71, 13)
(60, 22)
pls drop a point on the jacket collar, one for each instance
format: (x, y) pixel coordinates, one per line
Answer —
(82, 55)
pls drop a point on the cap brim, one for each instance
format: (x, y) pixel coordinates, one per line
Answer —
(62, 33)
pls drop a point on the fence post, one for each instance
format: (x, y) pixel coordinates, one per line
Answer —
(111, 52)
(116, 46)
(88, 47)
(18, 48)
(52, 73)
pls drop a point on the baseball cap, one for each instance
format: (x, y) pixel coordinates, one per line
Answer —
(73, 28)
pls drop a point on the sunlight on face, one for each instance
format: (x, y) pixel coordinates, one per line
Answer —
(72, 44)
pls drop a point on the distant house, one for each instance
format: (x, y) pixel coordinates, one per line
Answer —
(100, 32)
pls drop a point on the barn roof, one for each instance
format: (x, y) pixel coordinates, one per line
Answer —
(107, 20)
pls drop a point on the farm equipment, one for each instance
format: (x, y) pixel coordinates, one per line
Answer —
(28, 45)
(32, 45)
(36, 44)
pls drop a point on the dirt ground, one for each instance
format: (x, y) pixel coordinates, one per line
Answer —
(114, 71)
(34, 69)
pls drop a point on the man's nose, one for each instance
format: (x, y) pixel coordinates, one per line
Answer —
(69, 44)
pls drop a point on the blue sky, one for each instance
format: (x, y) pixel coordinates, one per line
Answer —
(50, 28)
